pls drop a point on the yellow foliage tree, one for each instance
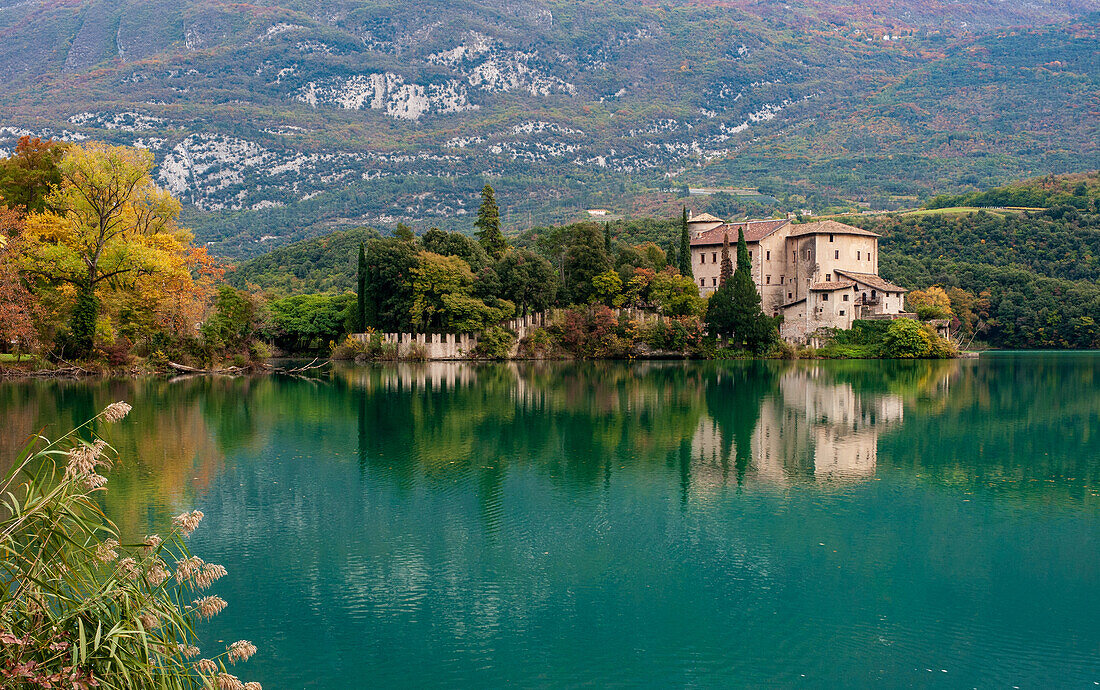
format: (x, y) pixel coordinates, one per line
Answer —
(111, 230)
(931, 303)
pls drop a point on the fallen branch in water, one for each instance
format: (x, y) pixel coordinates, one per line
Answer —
(71, 370)
(297, 370)
(192, 370)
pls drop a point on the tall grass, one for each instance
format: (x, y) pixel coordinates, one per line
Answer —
(79, 609)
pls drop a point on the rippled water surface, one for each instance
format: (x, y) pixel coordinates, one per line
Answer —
(659, 524)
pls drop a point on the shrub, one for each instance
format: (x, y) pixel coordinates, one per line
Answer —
(351, 348)
(537, 343)
(77, 610)
(591, 332)
(495, 343)
(906, 339)
(416, 352)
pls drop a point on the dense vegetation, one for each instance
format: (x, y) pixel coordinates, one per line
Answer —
(265, 122)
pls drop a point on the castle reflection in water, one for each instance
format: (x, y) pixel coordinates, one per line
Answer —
(722, 424)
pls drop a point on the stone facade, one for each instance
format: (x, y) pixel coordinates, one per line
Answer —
(817, 275)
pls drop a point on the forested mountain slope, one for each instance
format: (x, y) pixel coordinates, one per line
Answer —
(281, 119)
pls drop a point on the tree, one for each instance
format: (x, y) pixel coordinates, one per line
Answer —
(234, 322)
(584, 259)
(906, 339)
(675, 295)
(28, 175)
(527, 280)
(733, 311)
(931, 303)
(434, 277)
(456, 244)
(301, 322)
(607, 238)
(488, 224)
(404, 233)
(684, 255)
(390, 264)
(110, 226)
(607, 288)
(727, 266)
(361, 290)
(20, 312)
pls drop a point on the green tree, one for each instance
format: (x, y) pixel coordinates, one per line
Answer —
(906, 339)
(404, 233)
(361, 290)
(390, 264)
(527, 280)
(488, 224)
(607, 238)
(684, 254)
(584, 259)
(234, 322)
(456, 244)
(607, 288)
(304, 322)
(733, 311)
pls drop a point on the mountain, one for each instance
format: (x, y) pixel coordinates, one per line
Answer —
(282, 120)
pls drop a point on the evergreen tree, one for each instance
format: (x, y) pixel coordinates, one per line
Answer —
(727, 265)
(607, 238)
(361, 291)
(685, 245)
(751, 328)
(488, 224)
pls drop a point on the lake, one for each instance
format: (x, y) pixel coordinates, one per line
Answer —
(628, 524)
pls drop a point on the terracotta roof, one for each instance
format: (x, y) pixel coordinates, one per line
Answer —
(831, 286)
(829, 227)
(871, 280)
(704, 218)
(755, 230)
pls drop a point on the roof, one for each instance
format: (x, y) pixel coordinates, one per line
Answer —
(832, 286)
(755, 230)
(704, 218)
(791, 304)
(872, 280)
(829, 227)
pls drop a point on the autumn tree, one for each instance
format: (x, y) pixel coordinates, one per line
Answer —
(19, 311)
(28, 175)
(107, 226)
(488, 224)
(931, 303)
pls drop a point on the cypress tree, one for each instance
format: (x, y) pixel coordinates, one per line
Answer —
(607, 238)
(727, 265)
(685, 245)
(488, 224)
(751, 327)
(361, 291)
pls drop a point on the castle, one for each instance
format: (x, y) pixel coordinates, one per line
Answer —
(816, 275)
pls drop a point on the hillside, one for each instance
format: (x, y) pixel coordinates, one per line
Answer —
(280, 121)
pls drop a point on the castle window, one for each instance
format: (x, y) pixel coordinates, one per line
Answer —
(790, 296)
(828, 277)
(824, 297)
(836, 253)
(714, 257)
(842, 312)
(868, 256)
(714, 281)
(768, 256)
(780, 280)
(750, 256)
(794, 256)
(703, 258)
(830, 238)
(768, 280)
(702, 282)
(807, 253)
(858, 256)
(845, 298)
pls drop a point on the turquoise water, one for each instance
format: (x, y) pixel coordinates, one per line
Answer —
(662, 524)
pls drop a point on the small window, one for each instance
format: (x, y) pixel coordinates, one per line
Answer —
(702, 282)
(868, 256)
(780, 280)
(767, 280)
(828, 277)
(750, 256)
(807, 254)
(845, 298)
(703, 258)
(790, 296)
(831, 238)
(714, 257)
(836, 253)
(842, 312)
(768, 256)
(714, 281)
(859, 255)
(794, 256)
(824, 297)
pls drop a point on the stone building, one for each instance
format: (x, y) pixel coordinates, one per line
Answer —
(816, 275)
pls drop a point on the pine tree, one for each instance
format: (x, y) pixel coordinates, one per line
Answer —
(727, 265)
(607, 238)
(361, 291)
(488, 224)
(685, 245)
(751, 328)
